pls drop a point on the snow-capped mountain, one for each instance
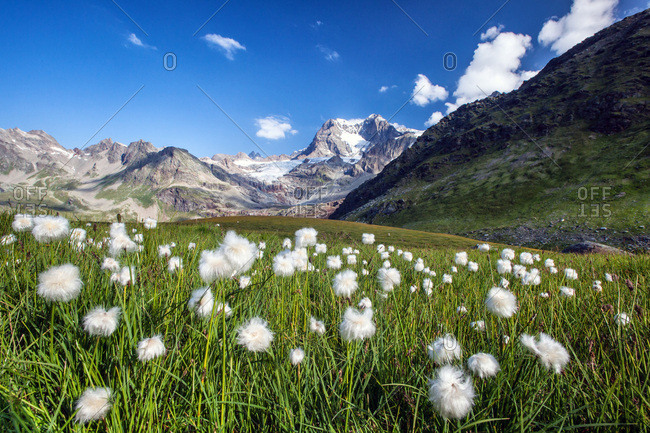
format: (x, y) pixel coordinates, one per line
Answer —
(142, 180)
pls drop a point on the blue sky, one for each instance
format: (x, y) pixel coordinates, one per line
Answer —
(279, 70)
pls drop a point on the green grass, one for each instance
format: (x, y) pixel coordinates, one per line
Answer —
(207, 383)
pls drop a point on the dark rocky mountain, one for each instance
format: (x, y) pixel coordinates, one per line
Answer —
(567, 150)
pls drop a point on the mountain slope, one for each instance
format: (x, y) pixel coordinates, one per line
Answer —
(568, 142)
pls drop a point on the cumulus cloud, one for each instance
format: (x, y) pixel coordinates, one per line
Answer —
(228, 46)
(329, 53)
(133, 39)
(424, 92)
(434, 118)
(491, 33)
(585, 18)
(274, 127)
(494, 68)
(384, 89)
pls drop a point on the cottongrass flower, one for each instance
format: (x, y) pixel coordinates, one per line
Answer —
(501, 302)
(408, 256)
(352, 259)
(478, 326)
(334, 262)
(365, 303)
(483, 365)
(151, 348)
(461, 309)
(447, 278)
(552, 270)
(427, 284)
(389, 278)
(320, 248)
(214, 265)
(244, 281)
(306, 237)
(609, 278)
(283, 264)
(286, 243)
(78, 235)
(386, 264)
(381, 248)
(526, 258)
(261, 245)
(454, 269)
(345, 283)
(7, 240)
(22, 223)
(368, 238)
(597, 286)
(164, 251)
(316, 325)
(50, 228)
(483, 247)
(125, 276)
(357, 325)
(504, 283)
(570, 274)
(239, 251)
(100, 322)
(508, 254)
(505, 339)
(472, 266)
(551, 354)
(93, 404)
(201, 301)
(567, 291)
(504, 266)
(461, 258)
(60, 283)
(175, 264)
(223, 308)
(300, 259)
(444, 350)
(385, 255)
(191, 246)
(255, 335)
(519, 271)
(549, 263)
(451, 392)
(531, 278)
(150, 223)
(622, 319)
(544, 295)
(296, 356)
(138, 237)
(419, 266)
(121, 243)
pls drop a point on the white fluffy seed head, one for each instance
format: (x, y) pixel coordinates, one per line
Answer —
(151, 348)
(283, 264)
(551, 354)
(150, 223)
(22, 222)
(447, 278)
(472, 266)
(461, 258)
(368, 238)
(255, 335)
(175, 264)
(451, 392)
(444, 350)
(526, 258)
(214, 265)
(357, 325)
(508, 254)
(93, 404)
(316, 326)
(345, 283)
(334, 262)
(164, 250)
(102, 323)
(622, 319)
(567, 291)
(570, 274)
(504, 266)
(239, 251)
(306, 237)
(296, 356)
(483, 247)
(501, 302)
(389, 278)
(201, 301)
(483, 365)
(50, 228)
(60, 283)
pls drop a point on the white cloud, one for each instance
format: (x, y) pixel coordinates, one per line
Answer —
(329, 53)
(384, 89)
(491, 33)
(424, 92)
(274, 127)
(434, 118)
(227, 45)
(585, 18)
(138, 43)
(494, 68)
